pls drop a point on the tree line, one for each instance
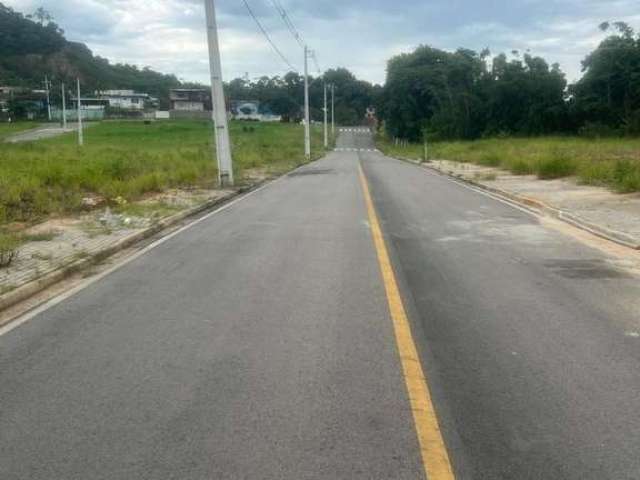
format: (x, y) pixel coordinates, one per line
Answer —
(32, 46)
(284, 95)
(467, 94)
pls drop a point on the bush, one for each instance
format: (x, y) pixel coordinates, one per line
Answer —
(8, 249)
(597, 130)
(490, 160)
(626, 176)
(556, 166)
(521, 167)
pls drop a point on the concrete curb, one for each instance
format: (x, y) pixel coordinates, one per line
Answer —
(26, 291)
(540, 207)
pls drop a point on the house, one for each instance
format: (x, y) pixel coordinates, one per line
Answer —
(190, 100)
(125, 99)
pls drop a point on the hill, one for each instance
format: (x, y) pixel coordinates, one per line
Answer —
(34, 46)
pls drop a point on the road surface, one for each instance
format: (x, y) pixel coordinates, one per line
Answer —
(44, 132)
(264, 341)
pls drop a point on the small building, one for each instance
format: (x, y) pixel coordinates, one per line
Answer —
(190, 100)
(125, 99)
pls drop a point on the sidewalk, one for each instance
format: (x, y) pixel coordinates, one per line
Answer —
(613, 216)
(60, 246)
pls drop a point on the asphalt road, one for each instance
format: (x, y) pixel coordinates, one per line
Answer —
(258, 344)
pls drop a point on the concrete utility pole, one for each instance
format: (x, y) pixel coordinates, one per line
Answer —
(47, 86)
(64, 107)
(220, 124)
(333, 110)
(80, 133)
(307, 127)
(326, 113)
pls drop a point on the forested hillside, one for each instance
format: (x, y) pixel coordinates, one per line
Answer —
(31, 48)
(34, 46)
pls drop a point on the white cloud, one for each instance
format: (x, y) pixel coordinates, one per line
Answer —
(169, 35)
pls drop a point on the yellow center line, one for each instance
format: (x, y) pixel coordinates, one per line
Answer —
(435, 458)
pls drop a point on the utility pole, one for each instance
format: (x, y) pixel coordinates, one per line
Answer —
(80, 133)
(333, 110)
(64, 108)
(326, 113)
(47, 86)
(220, 124)
(307, 131)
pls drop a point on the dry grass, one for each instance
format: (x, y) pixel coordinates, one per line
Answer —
(611, 162)
(126, 160)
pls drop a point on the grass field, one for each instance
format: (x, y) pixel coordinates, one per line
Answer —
(610, 162)
(130, 159)
(7, 129)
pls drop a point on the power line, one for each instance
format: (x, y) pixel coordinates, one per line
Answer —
(294, 31)
(287, 21)
(268, 37)
(315, 61)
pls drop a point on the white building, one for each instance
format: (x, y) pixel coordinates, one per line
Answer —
(125, 99)
(190, 99)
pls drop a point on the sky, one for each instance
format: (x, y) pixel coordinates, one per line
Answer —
(361, 35)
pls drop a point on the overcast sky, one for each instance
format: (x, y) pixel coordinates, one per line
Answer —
(169, 35)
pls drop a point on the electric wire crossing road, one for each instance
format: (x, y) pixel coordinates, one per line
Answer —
(361, 318)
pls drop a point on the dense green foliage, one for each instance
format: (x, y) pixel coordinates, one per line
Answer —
(21, 36)
(464, 95)
(457, 95)
(129, 159)
(608, 95)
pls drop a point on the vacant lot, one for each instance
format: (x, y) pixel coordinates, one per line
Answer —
(611, 162)
(130, 159)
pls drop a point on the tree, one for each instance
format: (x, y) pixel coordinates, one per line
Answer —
(609, 91)
(42, 16)
(455, 95)
(285, 95)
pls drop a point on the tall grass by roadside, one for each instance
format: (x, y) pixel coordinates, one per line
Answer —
(130, 159)
(8, 248)
(610, 162)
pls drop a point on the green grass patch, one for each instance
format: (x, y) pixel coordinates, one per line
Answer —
(129, 159)
(610, 162)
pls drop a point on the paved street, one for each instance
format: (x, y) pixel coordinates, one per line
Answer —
(259, 344)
